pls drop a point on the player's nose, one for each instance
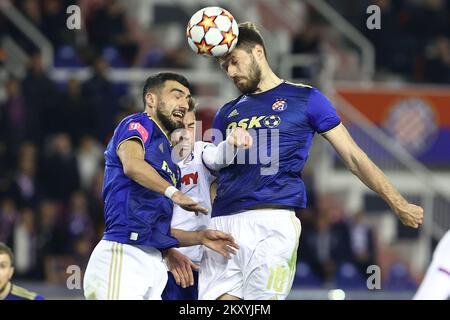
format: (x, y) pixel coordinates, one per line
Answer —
(184, 106)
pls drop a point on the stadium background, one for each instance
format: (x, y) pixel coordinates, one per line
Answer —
(63, 91)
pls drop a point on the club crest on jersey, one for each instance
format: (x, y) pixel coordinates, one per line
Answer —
(279, 105)
(272, 121)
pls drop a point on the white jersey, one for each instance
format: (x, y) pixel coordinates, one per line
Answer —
(196, 183)
(436, 284)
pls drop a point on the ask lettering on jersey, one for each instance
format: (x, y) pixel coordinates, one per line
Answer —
(166, 168)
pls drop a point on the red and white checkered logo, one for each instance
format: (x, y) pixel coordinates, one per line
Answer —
(412, 122)
(279, 105)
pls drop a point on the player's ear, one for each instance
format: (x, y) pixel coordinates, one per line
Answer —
(150, 99)
(11, 273)
(258, 51)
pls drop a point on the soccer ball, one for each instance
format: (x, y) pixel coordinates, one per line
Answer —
(212, 31)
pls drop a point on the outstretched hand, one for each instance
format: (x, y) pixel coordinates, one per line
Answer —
(219, 241)
(188, 203)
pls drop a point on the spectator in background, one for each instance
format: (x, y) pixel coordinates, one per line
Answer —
(52, 236)
(59, 174)
(363, 242)
(80, 223)
(429, 19)
(25, 185)
(41, 98)
(102, 99)
(437, 63)
(326, 242)
(32, 11)
(77, 115)
(306, 41)
(54, 23)
(108, 27)
(15, 115)
(89, 159)
(395, 47)
(24, 244)
(8, 218)
(96, 202)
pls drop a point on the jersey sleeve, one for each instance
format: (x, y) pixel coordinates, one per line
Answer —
(321, 113)
(134, 129)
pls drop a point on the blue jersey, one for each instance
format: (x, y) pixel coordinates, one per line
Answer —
(19, 293)
(286, 117)
(134, 214)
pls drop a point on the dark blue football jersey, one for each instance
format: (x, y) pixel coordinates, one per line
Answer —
(134, 214)
(282, 121)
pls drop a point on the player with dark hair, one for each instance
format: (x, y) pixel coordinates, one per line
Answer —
(8, 290)
(257, 205)
(139, 190)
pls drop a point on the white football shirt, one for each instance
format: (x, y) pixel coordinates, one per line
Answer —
(196, 182)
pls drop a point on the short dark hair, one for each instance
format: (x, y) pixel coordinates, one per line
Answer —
(156, 81)
(249, 37)
(4, 249)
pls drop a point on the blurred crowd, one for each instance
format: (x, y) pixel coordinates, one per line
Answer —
(339, 249)
(52, 139)
(106, 31)
(412, 44)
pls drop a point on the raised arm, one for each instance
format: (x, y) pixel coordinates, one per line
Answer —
(131, 154)
(360, 165)
(220, 156)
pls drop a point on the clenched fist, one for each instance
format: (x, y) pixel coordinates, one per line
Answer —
(410, 214)
(240, 138)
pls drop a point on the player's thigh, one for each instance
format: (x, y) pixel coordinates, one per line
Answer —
(96, 277)
(218, 275)
(271, 270)
(120, 271)
(140, 275)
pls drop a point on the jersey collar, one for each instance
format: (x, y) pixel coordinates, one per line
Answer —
(7, 291)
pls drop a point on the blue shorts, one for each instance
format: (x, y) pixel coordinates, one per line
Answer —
(172, 291)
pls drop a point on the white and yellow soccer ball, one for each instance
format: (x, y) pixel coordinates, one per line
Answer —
(212, 31)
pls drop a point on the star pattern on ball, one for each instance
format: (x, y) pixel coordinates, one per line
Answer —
(207, 22)
(228, 37)
(227, 14)
(203, 47)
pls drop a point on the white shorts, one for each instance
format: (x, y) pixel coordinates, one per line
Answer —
(121, 271)
(264, 267)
